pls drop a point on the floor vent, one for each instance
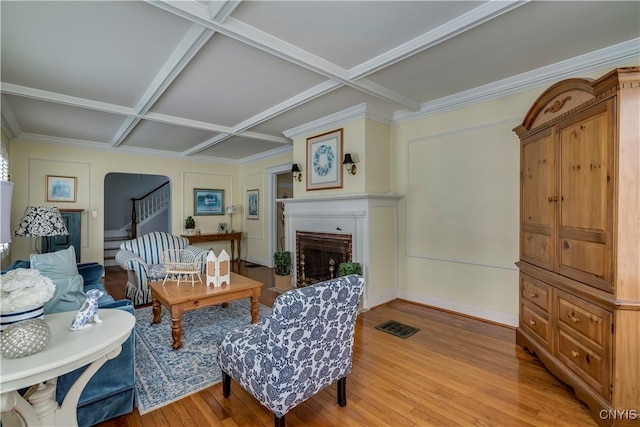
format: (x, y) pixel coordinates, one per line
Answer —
(398, 329)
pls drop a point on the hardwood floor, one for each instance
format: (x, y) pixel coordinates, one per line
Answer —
(456, 371)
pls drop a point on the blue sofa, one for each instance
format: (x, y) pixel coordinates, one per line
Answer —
(110, 392)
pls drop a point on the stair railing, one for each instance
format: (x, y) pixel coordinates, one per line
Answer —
(147, 205)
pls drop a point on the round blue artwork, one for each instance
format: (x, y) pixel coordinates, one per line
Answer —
(323, 160)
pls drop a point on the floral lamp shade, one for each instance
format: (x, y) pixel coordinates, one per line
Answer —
(38, 221)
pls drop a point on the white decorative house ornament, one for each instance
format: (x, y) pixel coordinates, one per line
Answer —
(218, 269)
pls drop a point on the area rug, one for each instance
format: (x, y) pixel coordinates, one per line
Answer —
(164, 375)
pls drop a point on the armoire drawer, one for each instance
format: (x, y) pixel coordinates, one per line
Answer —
(589, 365)
(535, 291)
(588, 320)
(535, 323)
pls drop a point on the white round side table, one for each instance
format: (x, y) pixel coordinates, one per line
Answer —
(67, 351)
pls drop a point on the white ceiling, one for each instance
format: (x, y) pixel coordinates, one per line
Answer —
(233, 81)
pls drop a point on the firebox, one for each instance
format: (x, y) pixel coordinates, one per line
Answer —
(319, 254)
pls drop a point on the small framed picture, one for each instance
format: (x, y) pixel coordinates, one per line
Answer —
(61, 188)
(208, 202)
(324, 161)
(253, 204)
(222, 228)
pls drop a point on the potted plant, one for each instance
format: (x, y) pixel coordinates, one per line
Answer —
(189, 224)
(346, 268)
(282, 261)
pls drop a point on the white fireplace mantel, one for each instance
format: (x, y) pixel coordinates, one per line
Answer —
(371, 219)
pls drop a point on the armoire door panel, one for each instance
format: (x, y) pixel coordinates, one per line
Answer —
(539, 197)
(584, 171)
(586, 197)
(538, 183)
(588, 257)
(536, 249)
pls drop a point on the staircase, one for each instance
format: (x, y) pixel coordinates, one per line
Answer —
(145, 210)
(111, 246)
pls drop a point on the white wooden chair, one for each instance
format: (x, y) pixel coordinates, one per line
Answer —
(181, 264)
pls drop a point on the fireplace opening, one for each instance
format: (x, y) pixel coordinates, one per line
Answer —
(319, 254)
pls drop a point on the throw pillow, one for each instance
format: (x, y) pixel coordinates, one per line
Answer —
(56, 265)
(68, 295)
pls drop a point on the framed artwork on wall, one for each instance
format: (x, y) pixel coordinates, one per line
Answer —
(208, 202)
(253, 204)
(324, 154)
(61, 188)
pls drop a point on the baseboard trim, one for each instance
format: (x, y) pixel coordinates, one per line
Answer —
(458, 307)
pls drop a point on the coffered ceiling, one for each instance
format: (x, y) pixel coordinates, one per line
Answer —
(234, 81)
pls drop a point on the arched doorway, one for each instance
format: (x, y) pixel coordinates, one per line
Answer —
(153, 213)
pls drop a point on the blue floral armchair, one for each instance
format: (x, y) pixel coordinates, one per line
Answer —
(304, 346)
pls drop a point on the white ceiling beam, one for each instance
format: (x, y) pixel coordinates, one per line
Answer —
(180, 121)
(11, 125)
(288, 104)
(265, 137)
(206, 144)
(294, 101)
(354, 77)
(57, 98)
(274, 46)
(459, 25)
(219, 11)
(191, 43)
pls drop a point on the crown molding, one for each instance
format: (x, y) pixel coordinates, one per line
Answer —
(32, 138)
(347, 115)
(613, 56)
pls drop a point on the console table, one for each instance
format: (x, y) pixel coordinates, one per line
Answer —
(67, 351)
(217, 237)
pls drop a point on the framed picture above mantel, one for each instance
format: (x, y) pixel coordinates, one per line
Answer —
(324, 154)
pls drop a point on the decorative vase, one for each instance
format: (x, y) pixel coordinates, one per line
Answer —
(9, 318)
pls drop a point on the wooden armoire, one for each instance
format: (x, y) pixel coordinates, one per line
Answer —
(580, 239)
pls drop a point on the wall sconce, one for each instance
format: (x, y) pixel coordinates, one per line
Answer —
(297, 173)
(349, 164)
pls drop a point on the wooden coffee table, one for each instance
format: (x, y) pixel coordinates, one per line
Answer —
(185, 297)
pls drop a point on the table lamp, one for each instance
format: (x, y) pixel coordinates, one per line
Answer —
(41, 221)
(231, 210)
